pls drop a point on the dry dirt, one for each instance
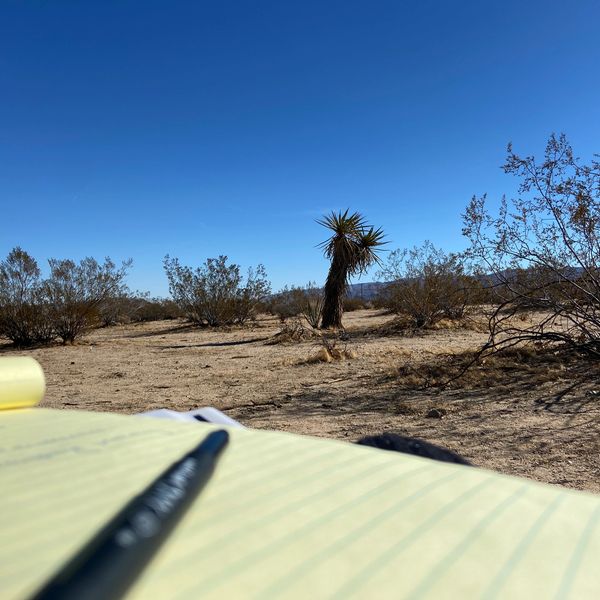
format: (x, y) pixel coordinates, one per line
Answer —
(547, 429)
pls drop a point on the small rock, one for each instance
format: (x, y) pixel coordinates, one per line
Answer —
(436, 413)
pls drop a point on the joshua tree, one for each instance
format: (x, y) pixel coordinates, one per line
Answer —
(352, 249)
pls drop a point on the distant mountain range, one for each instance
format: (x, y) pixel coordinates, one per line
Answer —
(370, 289)
(365, 291)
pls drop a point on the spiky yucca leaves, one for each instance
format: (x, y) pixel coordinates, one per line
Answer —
(352, 249)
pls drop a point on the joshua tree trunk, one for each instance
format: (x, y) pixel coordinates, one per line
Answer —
(335, 290)
(351, 249)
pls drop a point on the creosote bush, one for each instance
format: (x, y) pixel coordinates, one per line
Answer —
(24, 310)
(36, 311)
(352, 304)
(542, 250)
(427, 285)
(216, 293)
(77, 292)
(295, 301)
(138, 307)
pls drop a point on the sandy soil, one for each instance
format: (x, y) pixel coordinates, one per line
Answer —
(547, 431)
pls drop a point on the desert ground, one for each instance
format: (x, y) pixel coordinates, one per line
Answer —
(541, 422)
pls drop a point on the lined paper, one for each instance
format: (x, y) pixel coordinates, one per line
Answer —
(289, 517)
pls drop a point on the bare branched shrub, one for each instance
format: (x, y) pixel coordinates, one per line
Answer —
(24, 312)
(427, 285)
(76, 293)
(543, 251)
(215, 293)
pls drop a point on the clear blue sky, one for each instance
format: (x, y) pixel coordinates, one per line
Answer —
(141, 128)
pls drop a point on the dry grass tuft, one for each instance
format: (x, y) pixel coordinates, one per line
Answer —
(322, 355)
(329, 352)
(400, 352)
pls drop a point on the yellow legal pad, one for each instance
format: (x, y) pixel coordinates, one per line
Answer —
(289, 517)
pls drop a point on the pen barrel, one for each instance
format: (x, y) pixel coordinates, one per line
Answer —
(108, 565)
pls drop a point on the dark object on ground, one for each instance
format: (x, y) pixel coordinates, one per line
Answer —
(399, 443)
(435, 413)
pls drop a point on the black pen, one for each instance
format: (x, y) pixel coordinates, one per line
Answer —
(112, 560)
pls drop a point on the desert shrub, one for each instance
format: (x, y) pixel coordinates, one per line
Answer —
(116, 310)
(311, 306)
(427, 285)
(306, 301)
(351, 304)
(543, 251)
(284, 304)
(136, 308)
(76, 293)
(381, 301)
(156, 309)
(35, 310)
(215, 293)
(24, 312)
